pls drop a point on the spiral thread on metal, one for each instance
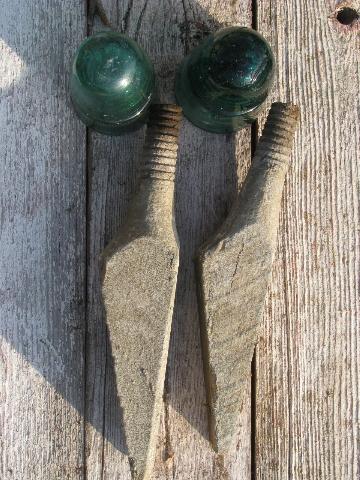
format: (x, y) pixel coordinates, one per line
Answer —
(277, 137)
(161, 142)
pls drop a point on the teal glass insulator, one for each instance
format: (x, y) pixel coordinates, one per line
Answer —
(224, 82)
(112, 83)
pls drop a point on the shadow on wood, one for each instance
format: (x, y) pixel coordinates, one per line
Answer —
(206, 183)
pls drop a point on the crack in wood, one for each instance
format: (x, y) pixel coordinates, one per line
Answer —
(140, 19)
(186, 28)
(126, 19)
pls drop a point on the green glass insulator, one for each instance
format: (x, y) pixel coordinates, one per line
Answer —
(112, 83)
(224, 82)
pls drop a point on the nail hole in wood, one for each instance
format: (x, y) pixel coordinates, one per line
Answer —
(347, 15)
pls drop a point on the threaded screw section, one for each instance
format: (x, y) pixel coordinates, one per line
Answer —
(161, 142)
(275, 144)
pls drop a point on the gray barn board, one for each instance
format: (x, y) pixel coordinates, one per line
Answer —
(307, 389)
(64, 193)
(42, 240)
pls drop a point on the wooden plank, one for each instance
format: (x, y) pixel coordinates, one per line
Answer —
(42, 231)
(210, 168)
(307, 361)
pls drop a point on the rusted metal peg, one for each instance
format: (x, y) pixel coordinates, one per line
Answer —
(139, 282)
(234, 269)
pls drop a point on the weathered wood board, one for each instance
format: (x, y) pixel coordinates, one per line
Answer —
(64, 195)
(42, 239)
(307, 395)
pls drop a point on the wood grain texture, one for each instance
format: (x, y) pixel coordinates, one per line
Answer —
(210, 168)
(307, 410)
(42, 237)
